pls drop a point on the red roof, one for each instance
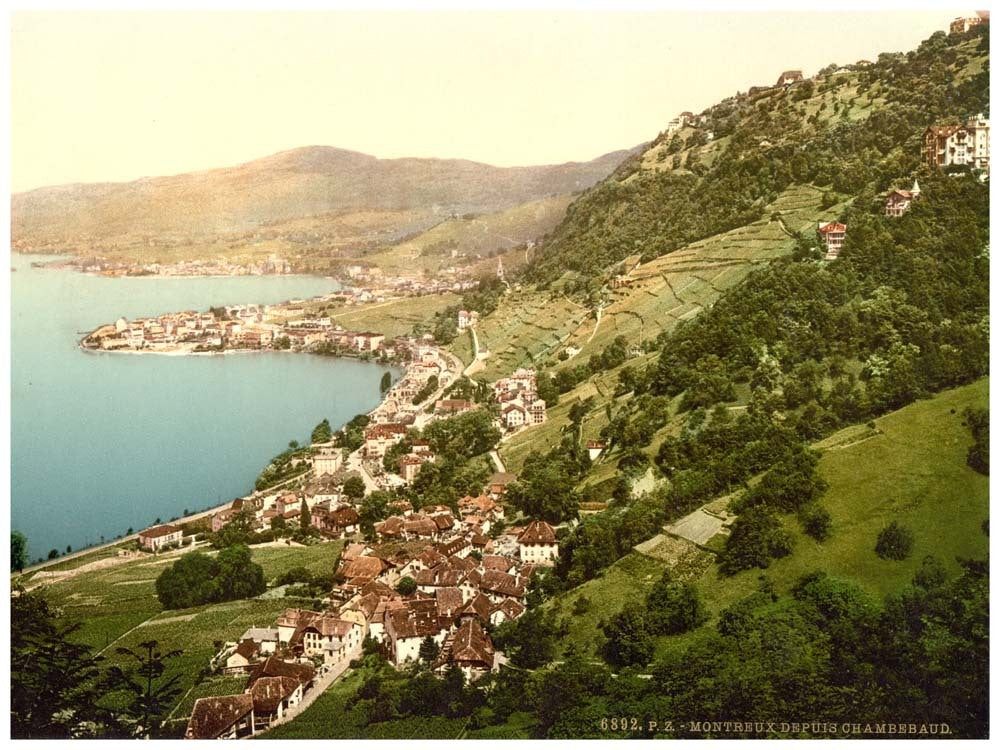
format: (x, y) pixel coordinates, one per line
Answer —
(833, 226)
(157, 531)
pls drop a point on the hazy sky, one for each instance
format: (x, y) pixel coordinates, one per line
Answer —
(117, 96)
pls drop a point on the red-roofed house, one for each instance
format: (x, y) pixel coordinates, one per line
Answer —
(158, 537)
(833, 234)
(537, 544)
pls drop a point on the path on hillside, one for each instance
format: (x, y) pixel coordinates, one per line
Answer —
(591, 336)
(319, 687)
(498, 462)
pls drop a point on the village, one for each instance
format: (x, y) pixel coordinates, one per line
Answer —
(429, 585)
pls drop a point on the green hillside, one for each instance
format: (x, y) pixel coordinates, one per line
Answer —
(910, 468)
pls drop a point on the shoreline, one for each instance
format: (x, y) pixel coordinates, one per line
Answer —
(198, 515)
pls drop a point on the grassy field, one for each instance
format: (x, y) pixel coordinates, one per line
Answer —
(911, 468)
(117, 608)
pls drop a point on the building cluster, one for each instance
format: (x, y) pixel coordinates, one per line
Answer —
(520, 405)
(397, 411)
(456, 594)
(964, 23)
(959, 145)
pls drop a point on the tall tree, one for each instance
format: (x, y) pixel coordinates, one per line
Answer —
(149, 698)
(52, 678)
(18, 551)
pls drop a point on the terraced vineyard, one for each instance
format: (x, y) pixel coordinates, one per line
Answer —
(526, 329)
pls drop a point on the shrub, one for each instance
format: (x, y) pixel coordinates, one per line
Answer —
(815, 521)
(894, 542)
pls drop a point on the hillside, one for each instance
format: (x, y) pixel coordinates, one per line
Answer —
(910, 467)
(313, 200)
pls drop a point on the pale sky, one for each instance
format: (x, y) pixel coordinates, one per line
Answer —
(117, 96)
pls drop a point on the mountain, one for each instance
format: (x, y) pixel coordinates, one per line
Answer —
(302, 191)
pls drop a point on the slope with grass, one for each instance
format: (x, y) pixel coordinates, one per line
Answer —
(910, 468)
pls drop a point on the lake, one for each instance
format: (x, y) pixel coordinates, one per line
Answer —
(101, 442)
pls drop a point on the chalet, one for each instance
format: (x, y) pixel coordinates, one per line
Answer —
(832, 234)
(227, 717)
(898, 202)
(265, 638)
(508, 609)
(272, 666)
(331, 637)
(158, 537)
(514, 416)
(497, 586)
(336, 523)
(537, 543)
(789, 77)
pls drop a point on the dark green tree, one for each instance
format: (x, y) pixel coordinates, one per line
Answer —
(429, 650)
(406, 586)
(354, 487)
(322, 433)
(54, 693)
(238, 576)
(629, 638)
(18, 551)
(894, 542)
(149, 697)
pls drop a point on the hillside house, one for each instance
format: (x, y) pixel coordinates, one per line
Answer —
(789, 77)
(898, 202)
(243, 656)
(537, 543)
(158, 537)
(595, 448)
(959, 145)
(832, 234)
(963, 24)
(470, 648)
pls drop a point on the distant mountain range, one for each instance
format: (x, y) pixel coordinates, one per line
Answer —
(315, 181)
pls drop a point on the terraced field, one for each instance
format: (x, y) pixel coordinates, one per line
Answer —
(393, 318)
(526, 329)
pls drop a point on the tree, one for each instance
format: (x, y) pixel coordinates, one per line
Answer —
(18, 551)
(406, 586)
(673, 607)
(188, 582)
(429, 650)
(815, 521)
(354, 487)
(386, 382)
(894, 542)
(305, 519)
(322, 433)
(149, 698)
(238, 576)
(629, 638)
(529, 640)
(53, 554)
(757, 537)
(52, 676)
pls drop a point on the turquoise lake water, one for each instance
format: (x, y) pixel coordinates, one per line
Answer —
(101, 442)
